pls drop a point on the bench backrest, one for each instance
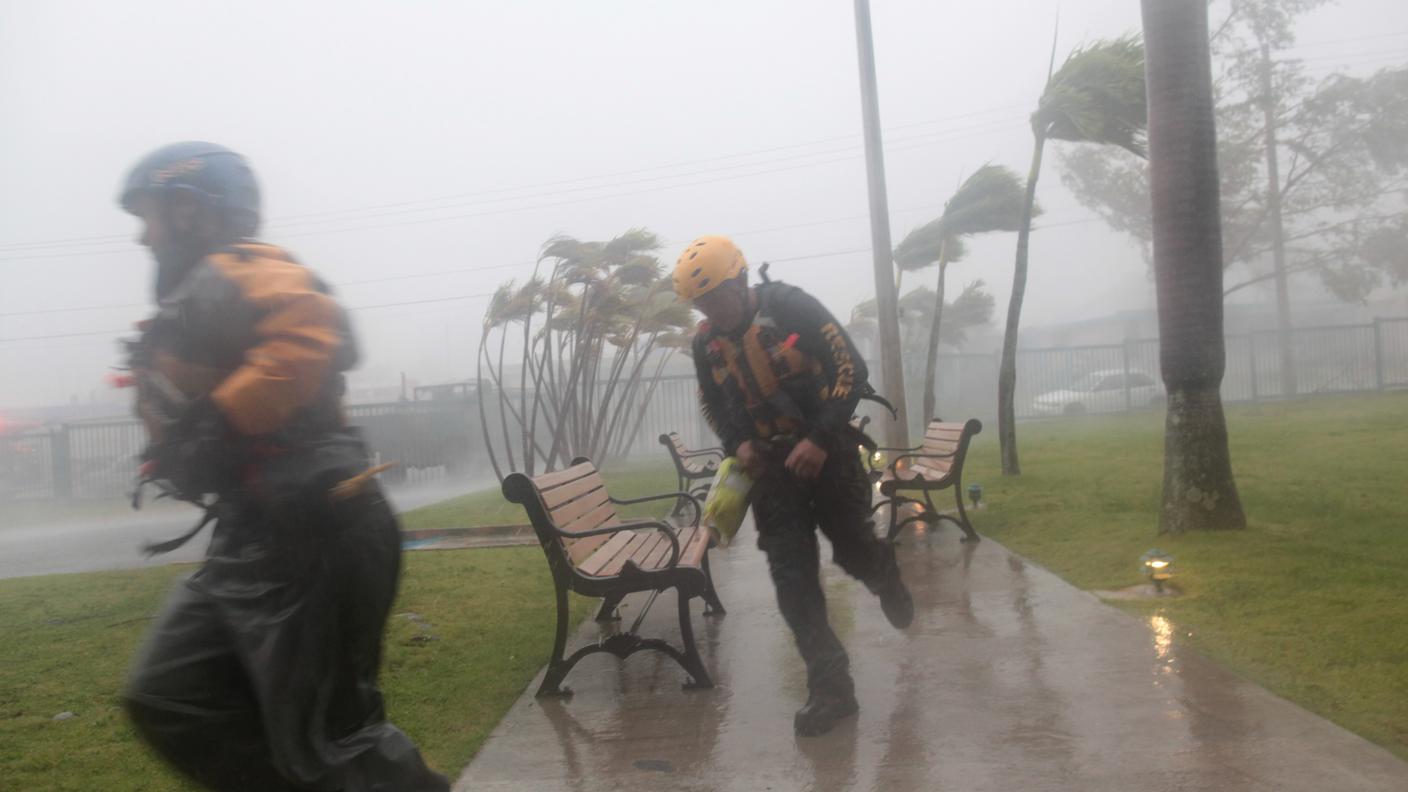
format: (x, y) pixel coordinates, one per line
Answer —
(673, 442)
(950, 439)
(571, 500)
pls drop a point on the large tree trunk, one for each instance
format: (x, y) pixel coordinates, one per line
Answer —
(1199, 491)
(931, 362)
(1007, 374)
(1278, 228)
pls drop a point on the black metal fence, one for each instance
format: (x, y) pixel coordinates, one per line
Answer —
(442, 439)
(1111, 378)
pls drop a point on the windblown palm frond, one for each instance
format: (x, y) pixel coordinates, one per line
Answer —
(989, 200)
(637, 271)
(1097, 96)
(497, 311)
(630, 245)
(524, 302)
(920, 247)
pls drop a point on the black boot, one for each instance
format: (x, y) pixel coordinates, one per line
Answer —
(821, 712)
(896, 602)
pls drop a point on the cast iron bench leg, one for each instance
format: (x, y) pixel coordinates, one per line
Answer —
(712, 605)
(608, 610)
(692, 662)
(557, 667)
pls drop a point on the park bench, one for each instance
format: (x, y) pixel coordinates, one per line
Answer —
(692, 466)
(595, 553)
(914, 474)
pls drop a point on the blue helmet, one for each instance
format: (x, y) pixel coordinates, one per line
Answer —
(218, 176)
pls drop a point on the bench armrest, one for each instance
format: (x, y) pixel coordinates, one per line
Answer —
(890, 448)
(693, 501)
(718, 452)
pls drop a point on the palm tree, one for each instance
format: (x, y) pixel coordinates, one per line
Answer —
(606, 317)
(989, 200)
(973, 307)
(1199, 490)
(1097, 96)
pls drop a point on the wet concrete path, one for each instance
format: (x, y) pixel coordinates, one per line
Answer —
(1009, 680)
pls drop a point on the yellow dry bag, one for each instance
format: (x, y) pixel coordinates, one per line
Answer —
(727, 501)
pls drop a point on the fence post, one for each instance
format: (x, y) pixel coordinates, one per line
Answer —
(59, 462)
(1251, 362)
(1128, 398)
(1378, 354)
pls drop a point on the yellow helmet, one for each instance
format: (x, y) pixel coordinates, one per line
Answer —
(705, 263)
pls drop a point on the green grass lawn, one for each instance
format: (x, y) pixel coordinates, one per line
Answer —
(68, 640)
(1311, 600)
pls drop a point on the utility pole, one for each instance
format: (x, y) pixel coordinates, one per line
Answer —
(1278, 231)
(886, 298)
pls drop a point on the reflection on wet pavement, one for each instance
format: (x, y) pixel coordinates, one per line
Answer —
(1009, 679)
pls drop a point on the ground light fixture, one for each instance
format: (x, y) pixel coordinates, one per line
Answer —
(975, 494)
(1157, 566)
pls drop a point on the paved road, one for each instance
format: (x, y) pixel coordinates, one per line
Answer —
(1009, 680)
(114, 543)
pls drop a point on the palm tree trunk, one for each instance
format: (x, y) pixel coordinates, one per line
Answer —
(483, 416)
(504, 403)
(1007, 373)
(1199, 491)
(931, 362)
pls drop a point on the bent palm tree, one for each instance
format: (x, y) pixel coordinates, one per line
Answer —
(989, 200)
(1097, 96)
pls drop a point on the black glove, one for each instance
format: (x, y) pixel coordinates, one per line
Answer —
(200, 453)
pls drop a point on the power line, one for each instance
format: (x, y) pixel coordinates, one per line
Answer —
(1330, 42)
(292, 219)
(914, 143)
(488, 267)
(1355, 56)
(807, 257)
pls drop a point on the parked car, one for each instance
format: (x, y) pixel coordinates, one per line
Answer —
(1101, 391)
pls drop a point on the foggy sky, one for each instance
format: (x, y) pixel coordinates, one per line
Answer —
(403, 138)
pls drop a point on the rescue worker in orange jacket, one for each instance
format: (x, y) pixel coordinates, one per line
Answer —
(779, 380)
(261, 671)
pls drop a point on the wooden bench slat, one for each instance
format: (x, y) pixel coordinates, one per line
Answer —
(603, 553)
(643, 542)
(567, 512)
(942, 437)
(599, 517)
(579, 549)
(693, 546)
(945, 447)
(559, 495)
(648, 556)
(610, 564)
(546, 481)
(661, 554)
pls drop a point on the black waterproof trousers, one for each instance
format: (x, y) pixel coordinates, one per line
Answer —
(788, 511)
(261, 671)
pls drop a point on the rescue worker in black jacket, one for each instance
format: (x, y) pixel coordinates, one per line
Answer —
(260, 673)
(779, 380)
